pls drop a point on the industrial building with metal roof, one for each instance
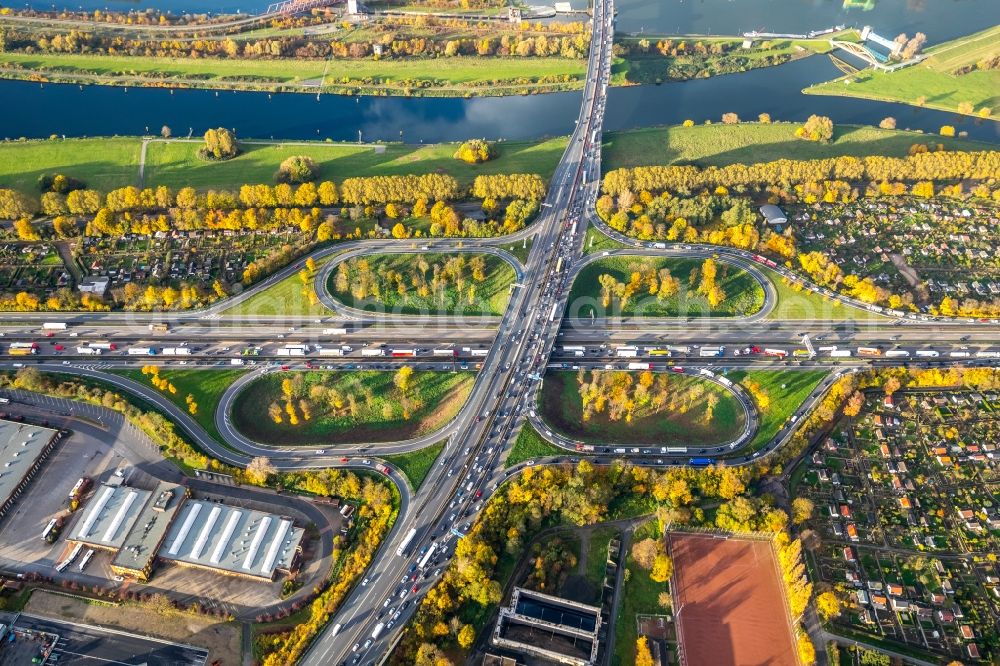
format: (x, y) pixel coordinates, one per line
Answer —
(236, 541)
(109, 516)
(23, 448)
(139, 550)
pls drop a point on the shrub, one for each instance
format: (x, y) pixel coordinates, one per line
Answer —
(297, 169)
(475, 151)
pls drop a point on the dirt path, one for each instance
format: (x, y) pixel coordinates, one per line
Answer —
(581, 565)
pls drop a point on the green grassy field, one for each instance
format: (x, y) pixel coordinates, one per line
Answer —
(561, 406)
(417, 464)
(490, 297)
(639, 596)
(434, 397)
(207, 387)
(597, 242)
(934, 79)
(287, 298)
(530, 445)
(800, 304)
(786, 389)
(744, 295)
(113, 162)
(458, 72)
(747, 143)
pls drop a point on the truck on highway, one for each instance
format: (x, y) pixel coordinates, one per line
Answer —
(479, 352)
(403, 353)
(159, 328)
(378, 630)
(959, 354)
(928, 353)
(555, 310)
(627, 352)
(427, 556)
(677, 449)
(335, 351)
(569, 349)
(142, 351)
(293, 350)
(987, 354)
(22, 348)
(840, 353)
(777, 353)
(54, 326)
(444, 352)
(706, 352)
(869, 351)
(640, 366)
(379, 467)
(372, 351)
(405, 546)
(176, 351)
(701, 462)
(897, 353)
(559, 265)
(237, 361)
(88, 351)
(104, 346)
(656, 351)
(334, 331)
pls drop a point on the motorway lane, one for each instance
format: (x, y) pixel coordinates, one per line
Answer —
(85, 644)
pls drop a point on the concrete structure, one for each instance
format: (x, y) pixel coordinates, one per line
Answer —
(554, 629)
(773, 215)
(108, 517)
(138, 551)
(238, 542)
(95, 284)
(23, 448)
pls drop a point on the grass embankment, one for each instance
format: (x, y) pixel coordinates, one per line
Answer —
(751, 142)
(795, 302)
(206, 386)
(371, 406)
(417, 464)
(680, 421)
(744, 295)
(416, 76)
(933, 82)
(596, 241)
(786, 390)
(113, 162)
(286, 298)
(489, 296)
(529, 446)
(639, 596)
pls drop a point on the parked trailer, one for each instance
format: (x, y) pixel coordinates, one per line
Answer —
(372, 352)
(54, 326)
(403, 547)
(427, 556)
(640, 366)
(897, 353)
(928, 353)
(88, 351)
(142, 351)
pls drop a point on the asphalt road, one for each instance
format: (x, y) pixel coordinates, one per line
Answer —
(81, 644)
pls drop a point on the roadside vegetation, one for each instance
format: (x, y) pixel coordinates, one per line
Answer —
(777, 394)
(795, 302)
(417, 464)
(642, 408)
(197, 392)
(664, 287)
(318, 407)
(640, 594)
(294, 296)
(529, 445)
(467, 284)
(962, 75)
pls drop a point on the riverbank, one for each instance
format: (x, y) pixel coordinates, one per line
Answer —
(962, 76)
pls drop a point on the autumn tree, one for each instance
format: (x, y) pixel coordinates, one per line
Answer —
(663, 568)
(644, 553)
(476, 151)
(816, 128)
(297, 169)
(827, 605)
(403, 378)
(802, 510)
(220, 144)
(643, 657)
(259, 470)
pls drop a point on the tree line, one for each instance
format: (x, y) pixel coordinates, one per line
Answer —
(427, 280)
(929, 166)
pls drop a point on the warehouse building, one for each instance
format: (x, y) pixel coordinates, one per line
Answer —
(138, 552)
(234, 541)
(109, 516)
(23, 449)
(553, 629)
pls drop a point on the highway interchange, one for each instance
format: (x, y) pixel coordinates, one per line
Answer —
(510, 354)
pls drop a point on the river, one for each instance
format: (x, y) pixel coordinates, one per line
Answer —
(38, 110)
